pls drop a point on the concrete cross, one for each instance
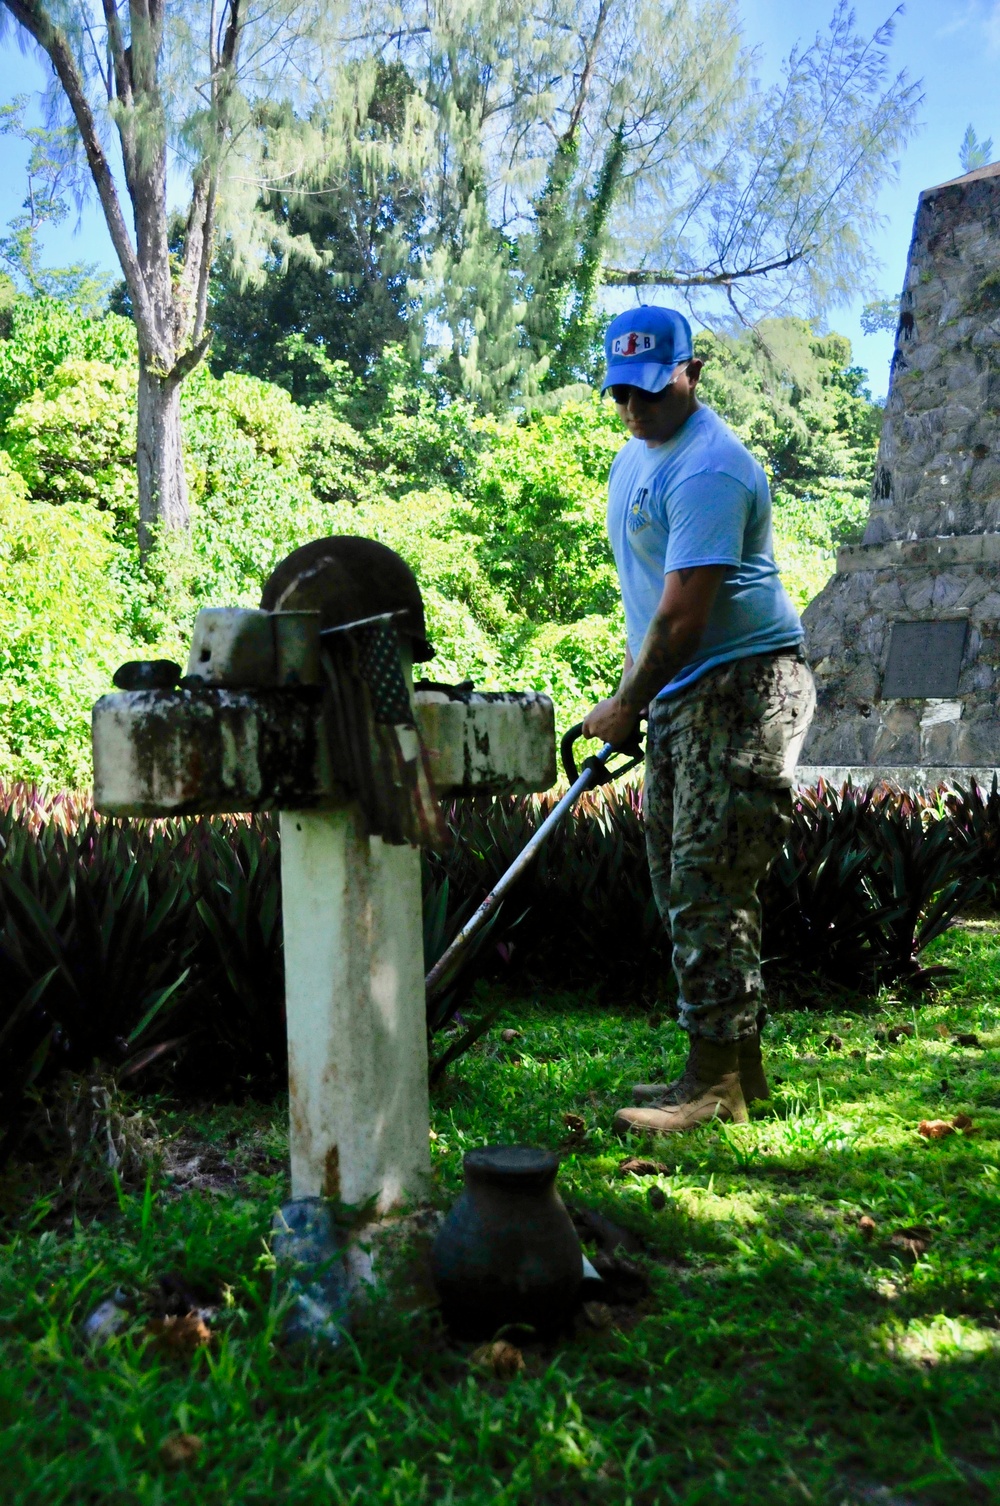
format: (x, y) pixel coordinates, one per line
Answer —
(249, 730)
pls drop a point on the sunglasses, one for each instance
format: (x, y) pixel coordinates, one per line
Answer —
(622, 391)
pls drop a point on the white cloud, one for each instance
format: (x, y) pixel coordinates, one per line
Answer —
(981, 18)
(991, 27)
(960, 21)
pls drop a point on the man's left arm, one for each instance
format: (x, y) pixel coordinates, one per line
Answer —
(671, 641)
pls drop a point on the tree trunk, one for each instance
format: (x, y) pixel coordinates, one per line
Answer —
(163, 498)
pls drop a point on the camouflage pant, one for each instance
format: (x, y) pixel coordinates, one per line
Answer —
(719, 760)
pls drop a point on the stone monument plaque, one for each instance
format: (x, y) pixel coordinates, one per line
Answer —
(924, 660)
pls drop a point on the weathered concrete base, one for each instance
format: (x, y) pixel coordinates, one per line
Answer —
(904, 776)
(354, 990)
(216, 748)
(489, 743)
(184, 752)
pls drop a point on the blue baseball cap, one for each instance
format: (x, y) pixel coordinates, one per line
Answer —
(644, 346)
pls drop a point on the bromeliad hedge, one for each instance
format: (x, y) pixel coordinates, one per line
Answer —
(154, 948)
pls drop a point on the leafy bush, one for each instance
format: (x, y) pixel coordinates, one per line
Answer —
(976, 814)
(237, 921)
(138, 947)
(866, 880)
(74, 439)
(502, 518)
(60, 633)
(42, 333)
(94, 943)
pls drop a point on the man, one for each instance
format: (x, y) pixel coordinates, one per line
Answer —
(715, 653)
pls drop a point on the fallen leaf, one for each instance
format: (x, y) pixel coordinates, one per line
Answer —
(962, 1122)
(576, 1125)
(598, 1315)
(934, 1129)
(502, 1359)
(898, 1032)
(638, 1166)
(942, 1031)
(656, 1198)
(178, 1450)
(180, 1336)
(507, 1036)
(866, 1226)
(834, 1043)
(914, 1241)
(967, 1039)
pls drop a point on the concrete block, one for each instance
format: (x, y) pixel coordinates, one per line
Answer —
(489, 744)
(243, 648)
(233, 646)
(183, 752)
(296, 648)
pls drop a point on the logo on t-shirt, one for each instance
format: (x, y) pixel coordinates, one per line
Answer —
(638, 519)
(632, 343)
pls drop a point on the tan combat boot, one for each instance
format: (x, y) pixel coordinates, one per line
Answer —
(752, 1079)
(708, 1088)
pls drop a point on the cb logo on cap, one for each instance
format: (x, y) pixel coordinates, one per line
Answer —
(634, 343)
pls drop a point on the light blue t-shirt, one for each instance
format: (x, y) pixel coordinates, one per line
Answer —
(699, 499)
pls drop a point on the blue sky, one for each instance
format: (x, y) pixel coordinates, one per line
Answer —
(953, 48)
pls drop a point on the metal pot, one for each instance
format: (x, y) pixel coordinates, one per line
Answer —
(507, 1253)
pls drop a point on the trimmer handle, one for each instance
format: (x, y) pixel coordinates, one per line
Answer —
(632, 747)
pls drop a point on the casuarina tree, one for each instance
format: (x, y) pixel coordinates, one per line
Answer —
(626, 143)
(180, 85)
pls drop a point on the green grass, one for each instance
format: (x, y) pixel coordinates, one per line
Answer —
(782, 1358)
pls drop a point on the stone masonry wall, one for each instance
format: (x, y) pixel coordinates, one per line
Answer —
(931, 548)
(938, 469)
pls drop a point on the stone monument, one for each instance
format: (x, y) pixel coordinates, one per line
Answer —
(905, 637)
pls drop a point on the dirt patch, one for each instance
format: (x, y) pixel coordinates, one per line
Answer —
(194, 1165)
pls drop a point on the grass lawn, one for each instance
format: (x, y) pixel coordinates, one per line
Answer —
(784, 1355)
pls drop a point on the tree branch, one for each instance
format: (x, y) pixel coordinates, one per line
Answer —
(643, 277)
(187, 361)
(583, 88)
(116, 43)
(53, 42)
(192, 292)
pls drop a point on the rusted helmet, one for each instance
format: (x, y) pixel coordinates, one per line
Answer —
(345, 578)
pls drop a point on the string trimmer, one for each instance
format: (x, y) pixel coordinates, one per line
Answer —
(594, 771)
